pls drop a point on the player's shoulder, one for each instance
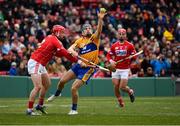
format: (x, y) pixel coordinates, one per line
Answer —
(79, 40)
(113, 46)
(115, 43)
(51, 37)
(129, 43)
(94, 37)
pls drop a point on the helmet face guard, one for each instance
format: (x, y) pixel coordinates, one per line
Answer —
(84, 28)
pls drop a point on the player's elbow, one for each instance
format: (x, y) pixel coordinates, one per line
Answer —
(70, 49)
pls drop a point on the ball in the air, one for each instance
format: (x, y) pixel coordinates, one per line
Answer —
(102, 10)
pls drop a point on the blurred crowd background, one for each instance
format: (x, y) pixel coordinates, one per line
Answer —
(152, 26)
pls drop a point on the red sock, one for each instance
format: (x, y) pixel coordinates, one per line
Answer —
(119, 98)
(41, 101)
(121, 102)
(30, 104)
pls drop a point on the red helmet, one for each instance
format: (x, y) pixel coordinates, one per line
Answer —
(122, 31)
(57, 28)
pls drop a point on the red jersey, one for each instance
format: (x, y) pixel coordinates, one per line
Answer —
(120, 51)
(50, 47)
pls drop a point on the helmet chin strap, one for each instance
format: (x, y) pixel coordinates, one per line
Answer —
(87, 35)
(121, 39)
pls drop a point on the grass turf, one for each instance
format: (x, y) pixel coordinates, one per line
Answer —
(95, 111)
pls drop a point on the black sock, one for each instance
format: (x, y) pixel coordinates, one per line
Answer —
(74, 107)
(58, 92)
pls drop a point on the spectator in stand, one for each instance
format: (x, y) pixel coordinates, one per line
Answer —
(13, 69)
(22, 70)
(141, 73)
(6, 47)
(145, 64)
(147, 18)
(159, 63)
(58, 68)
(99, 74)
(168, 34)
(149, 72)
(163, 73)
(177, 30)
(5, 63)
(175, 67)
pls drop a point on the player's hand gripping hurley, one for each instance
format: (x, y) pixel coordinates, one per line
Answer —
(95, 65)
(113, 69)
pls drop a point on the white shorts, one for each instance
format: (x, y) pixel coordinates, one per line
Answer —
(35, 67)
(121, 74)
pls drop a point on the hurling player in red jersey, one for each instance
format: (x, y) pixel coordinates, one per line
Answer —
(120, 50)
(49, 47)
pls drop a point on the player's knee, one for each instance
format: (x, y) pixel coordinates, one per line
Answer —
(116, 86)
(37, 88)
(46, 88)
(73, 89)
(62, 82)
(122, 87)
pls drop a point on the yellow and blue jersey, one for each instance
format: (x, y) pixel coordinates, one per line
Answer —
(88, 49)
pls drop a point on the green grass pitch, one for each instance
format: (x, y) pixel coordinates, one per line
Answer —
(95, 111)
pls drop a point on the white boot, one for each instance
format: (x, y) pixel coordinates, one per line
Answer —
(73, 112)
(52, 98)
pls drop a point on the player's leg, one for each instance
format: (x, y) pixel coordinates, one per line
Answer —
(74, 92)
(36, 79)
(83, 76)
(123, 85)
(44, 87)
(65, 78)
(116, 83)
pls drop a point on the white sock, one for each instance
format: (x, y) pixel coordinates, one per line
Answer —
(29, 110)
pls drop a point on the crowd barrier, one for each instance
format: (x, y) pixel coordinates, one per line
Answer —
(18, 86)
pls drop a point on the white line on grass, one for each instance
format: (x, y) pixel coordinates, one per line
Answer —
(4, 106)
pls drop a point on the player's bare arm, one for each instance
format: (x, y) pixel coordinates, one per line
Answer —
(101, 15)
(72, 50)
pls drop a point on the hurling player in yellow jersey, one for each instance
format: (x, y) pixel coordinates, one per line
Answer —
(88, 48)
